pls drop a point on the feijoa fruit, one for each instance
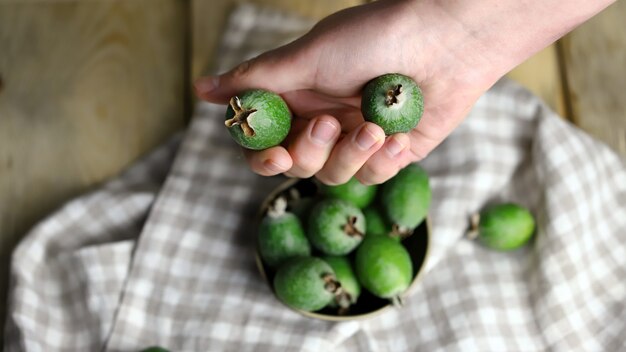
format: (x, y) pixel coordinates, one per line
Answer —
(394, 102)
(258, 119)
(503, 227)
(305, 283)
(335, 226)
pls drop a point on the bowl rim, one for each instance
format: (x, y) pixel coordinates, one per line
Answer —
(417, 278)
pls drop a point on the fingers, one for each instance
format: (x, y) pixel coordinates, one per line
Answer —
(385, 163)
(351, 153)
(275, 70)
(312, 147)
(269, 162)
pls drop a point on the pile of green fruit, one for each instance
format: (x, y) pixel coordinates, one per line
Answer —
(322, 250)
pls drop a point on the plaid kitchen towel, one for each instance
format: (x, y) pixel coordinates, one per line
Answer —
(164, 254)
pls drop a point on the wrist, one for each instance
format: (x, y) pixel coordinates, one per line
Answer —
(474, 43)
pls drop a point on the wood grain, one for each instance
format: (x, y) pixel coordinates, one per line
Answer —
(87, 87)
(595, 65)
(209, 18)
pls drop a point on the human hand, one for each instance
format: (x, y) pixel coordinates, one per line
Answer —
(448, 52)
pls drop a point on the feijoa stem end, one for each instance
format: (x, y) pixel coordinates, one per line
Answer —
(241, 117)
(277, 208)
(350, 227)
(397, 301)
(400, 231)
(331, 284)
(393, 95)
(472, 234)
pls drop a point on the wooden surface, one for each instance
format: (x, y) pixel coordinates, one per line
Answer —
(594, 58)
(87, 87)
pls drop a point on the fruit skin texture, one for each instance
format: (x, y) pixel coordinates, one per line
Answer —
(375, 222)
(271, 122)
(400, 117)
(505, 227)
(326, 226)
(299, 283)
(405, 198)
(281, 238)
(345, 275)
(351, 191)
(383, 266)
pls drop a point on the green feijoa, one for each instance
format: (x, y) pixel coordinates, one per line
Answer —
(377, 225)
(335, 226)
(405, 198)
(258, 119)
(394, 102)
(352, 191)
(281, 236)
(305, 283)
(383, 266)
(350, 287)
(504, 227)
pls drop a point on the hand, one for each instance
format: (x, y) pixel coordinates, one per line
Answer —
(454, 54)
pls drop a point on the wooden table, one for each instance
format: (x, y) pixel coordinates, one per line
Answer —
(87, 86)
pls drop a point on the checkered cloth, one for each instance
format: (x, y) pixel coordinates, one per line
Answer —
(163, 255)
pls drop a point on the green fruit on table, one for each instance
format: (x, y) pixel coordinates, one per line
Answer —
(352, 191)
(394, 102)
(350, 287)
(281, 236)
(305, 283)
(405, 198)
(504, 227)
(336, 226)
(383, 266)
(258, 119)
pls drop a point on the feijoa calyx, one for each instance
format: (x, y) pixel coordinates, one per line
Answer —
(335, 226)
(281, 235)
(383, 266)
(258, 119)
(352, 191)
(394, 102)
(406, 197)
(350, 288)
(503, 227)
(306, 283)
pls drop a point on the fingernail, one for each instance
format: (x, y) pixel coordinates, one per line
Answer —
(366, 138)
(205, 85)
(274, 166)
(394, 147)
(323, 132)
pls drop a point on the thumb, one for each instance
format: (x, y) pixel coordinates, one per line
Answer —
(275, 71)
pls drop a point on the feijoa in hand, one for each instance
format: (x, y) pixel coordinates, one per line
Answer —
(281, 236)
(405, 198)
(335, 226)
(383, 266)
(306, 283)
(503, 227)
(350, 288)
(352, 191)
(258, 119)
(394, 102)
